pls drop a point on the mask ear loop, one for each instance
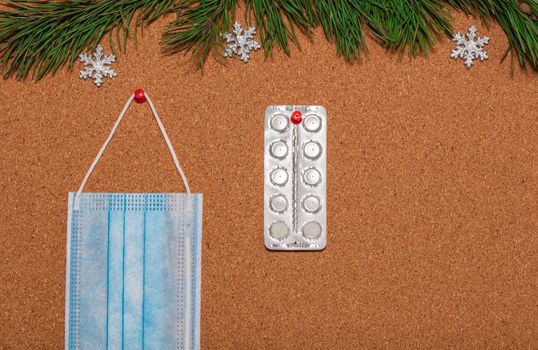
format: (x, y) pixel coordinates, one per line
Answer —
(109, 138)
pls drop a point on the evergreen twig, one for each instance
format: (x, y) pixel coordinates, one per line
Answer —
(342, 22)
(274, 17)
(413, 25)
(198, 27)
(40, 36)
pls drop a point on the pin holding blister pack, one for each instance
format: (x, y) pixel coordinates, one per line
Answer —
(295, 178)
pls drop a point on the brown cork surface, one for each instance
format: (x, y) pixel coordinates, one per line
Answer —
(432, 195)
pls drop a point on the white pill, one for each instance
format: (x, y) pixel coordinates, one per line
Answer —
(279, 176)
(312, 149)
(279, 149)
(279, 230)
(311, 203)
(279, 203)
(312, 123)
(279, 122)
(312, 176)
(312, 230)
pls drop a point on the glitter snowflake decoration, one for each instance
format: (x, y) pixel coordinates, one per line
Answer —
(240, 42)
(470, 47)
(97, 66)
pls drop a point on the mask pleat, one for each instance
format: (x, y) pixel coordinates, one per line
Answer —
(115, 272)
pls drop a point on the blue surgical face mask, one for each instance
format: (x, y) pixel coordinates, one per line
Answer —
(133, 267)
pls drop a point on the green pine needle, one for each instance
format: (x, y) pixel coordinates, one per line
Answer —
(413, 25)
(343, 22)
(39, 37)
(276, 21)
(198, 27)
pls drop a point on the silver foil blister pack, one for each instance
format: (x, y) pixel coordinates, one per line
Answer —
(295, 182)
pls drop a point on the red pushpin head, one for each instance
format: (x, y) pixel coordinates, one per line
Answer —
(296, 117)
(139, 96)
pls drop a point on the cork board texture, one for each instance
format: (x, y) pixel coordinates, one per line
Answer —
(432, 194)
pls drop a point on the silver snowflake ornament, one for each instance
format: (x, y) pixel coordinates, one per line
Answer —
(240, 42)
(97, 65)
(470, 47)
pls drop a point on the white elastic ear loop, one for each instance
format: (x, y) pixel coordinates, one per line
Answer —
(109, 138)
(169, 144)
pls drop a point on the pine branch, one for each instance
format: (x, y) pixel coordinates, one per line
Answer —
(412, 25)
(276, 21)
(342, 22)
(198, 27)
(40, 37)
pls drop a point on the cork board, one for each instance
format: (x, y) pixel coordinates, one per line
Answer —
(432, 195)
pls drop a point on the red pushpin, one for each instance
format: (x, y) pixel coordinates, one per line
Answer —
(296, 117)
(139, 96)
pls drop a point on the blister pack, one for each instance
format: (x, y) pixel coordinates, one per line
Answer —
(295, 178)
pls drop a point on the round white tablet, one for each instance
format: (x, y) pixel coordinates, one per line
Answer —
(312, 176)
(311, 203)
(278, 203)
(312, 149)
(279, 149)
(279, 176)
(279, 230)
(312, 230)
(279, 122)
(312, 123)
